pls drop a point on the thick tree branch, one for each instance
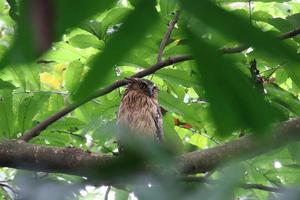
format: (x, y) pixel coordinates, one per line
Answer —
(167, 36)
(243, 148)
(21, 155)
(44, 124)
(27, 136)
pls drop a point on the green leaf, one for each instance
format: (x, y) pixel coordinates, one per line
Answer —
(234, 104)
(113, 17)
(281, 24)
(121, 194)
(85, 41)
(104, 107)
(104, 131)
(6, 85)
(64, 52)
(199, 141)
(294, 19)
(69, 123)
(261, 16)
(29, 108)
(6, 114)
(265, 43)
(73, 75)
(178, 77)
(167, 7)
(26, 77)
(177, 106)
(61, 15)
(284, 98)
(172, 139)
(294, 150)
(130, 33)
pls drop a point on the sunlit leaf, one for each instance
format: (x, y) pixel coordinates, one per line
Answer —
(6, 85)
(7, 123)
(57, 16)
(73, 75)
(28, 109)
(131, 32)
(85, 41)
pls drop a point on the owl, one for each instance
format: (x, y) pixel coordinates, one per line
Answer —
(139, 114)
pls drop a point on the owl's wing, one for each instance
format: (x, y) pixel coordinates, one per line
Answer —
(159, 125)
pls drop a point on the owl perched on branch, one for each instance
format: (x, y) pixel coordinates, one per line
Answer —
(139, 114)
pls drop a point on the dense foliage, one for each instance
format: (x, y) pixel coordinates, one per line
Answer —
(57, 54)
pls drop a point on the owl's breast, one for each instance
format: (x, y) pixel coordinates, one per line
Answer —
(137, 115)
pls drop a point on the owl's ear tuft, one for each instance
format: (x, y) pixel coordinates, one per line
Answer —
(130, 80)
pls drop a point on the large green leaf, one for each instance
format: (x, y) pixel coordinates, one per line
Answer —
(265, 43)
(7, 122)
(167, 7)
(104, 131)
(29, 108)
(6, 85)
(130, 33)
(234, 103)
(177, 106)
(73, 75)
(284, 98)
(34, 37)
(178, 77)
(25, 77)
(69, 123)
(113, 17)
(86, 40)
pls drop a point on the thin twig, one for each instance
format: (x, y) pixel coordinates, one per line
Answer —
(250, 11)
(274, 70)
(289, 34)
(167, 36)
(62, 93)
(8, 187)
(107, 192)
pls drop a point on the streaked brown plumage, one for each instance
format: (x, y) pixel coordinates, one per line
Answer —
(139, 113)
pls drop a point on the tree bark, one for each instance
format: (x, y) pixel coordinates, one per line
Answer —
(21, 155)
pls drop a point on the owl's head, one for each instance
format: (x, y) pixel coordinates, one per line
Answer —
(142, 86)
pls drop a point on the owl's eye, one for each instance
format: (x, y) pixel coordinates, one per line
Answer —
(143, 86)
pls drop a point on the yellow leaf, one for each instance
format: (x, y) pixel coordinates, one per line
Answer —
(199, 141)
(50, 80)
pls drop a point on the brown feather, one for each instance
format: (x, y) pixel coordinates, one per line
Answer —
(140, 113)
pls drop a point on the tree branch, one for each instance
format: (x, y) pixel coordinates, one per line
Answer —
(202, 179)
(289, 34)
(35, 131)
(167, 36)
(244, 148)
(262, 187)
(241, 48)
(21, 155)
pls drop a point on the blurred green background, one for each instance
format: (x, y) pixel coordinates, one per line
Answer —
(56, 53)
